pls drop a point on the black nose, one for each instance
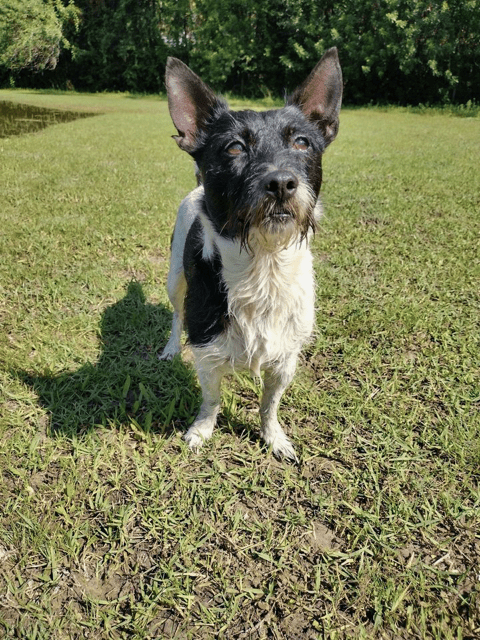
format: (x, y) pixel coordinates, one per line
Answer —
(281, 184)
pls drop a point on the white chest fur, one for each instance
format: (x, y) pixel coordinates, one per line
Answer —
(270, 304)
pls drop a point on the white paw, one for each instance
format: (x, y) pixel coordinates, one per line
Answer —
(196, 437)
(282, 447)
(169, 352)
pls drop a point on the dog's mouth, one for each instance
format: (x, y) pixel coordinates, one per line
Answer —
(280, 226)
(281, 220)
(278, 219)
(280, 215)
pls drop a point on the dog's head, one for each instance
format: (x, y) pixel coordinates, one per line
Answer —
(261, 171)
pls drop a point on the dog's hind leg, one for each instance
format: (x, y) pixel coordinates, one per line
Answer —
(275, 383)
(210, 380)
(176, 282)
(176, 288)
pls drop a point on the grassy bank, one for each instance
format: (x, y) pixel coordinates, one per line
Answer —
(109, 526)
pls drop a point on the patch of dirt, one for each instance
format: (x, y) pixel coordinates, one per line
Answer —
(317, 467)
(297, 626)
(322, 538)
(107, 587)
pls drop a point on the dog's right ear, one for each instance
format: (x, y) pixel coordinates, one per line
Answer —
(190, 101)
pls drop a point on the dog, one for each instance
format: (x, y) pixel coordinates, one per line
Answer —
(241, 276)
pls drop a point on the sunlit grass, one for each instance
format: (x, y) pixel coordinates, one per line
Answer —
(109, 526)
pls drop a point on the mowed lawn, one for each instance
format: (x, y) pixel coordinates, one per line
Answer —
(110, 528)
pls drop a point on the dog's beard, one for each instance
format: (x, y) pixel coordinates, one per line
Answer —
(277, 223)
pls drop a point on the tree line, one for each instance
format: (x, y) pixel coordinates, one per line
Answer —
(396, 51)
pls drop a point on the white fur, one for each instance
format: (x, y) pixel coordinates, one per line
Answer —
(270, 290)
(270, 304)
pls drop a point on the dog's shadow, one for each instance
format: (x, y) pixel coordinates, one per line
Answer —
(127, 384)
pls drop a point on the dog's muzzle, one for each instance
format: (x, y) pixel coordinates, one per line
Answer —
(284, 209)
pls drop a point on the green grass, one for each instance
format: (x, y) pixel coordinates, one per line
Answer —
(109, 526)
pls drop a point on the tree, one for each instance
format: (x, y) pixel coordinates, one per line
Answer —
(120, 46)
(408, 51)
(254, 48)
(32, 32)
(399, 51)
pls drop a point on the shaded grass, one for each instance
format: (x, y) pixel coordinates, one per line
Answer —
(109, 526)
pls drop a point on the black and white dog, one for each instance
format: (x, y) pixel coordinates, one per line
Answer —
(241, 275)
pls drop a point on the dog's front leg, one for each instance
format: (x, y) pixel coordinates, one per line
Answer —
(202, 429)
(275, 383)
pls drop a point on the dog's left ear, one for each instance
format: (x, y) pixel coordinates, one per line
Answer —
(320, 95)
(191, 102)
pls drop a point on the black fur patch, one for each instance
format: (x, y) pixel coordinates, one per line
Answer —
(206, 305)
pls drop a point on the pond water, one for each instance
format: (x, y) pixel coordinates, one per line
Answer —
(17, 119)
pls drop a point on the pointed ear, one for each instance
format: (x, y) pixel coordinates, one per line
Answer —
(190, 101)
(320, 96)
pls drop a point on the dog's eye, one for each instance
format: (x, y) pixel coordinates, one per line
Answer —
(301, 144)
(235, 148)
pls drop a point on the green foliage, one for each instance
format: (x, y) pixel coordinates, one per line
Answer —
(260, 48)
(32, 32)
(120, 46)
(408, 52)
(416, 50)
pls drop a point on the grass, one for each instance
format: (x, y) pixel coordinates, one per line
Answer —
(109, 526)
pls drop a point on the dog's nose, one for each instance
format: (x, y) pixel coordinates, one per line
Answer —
(281, 184)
